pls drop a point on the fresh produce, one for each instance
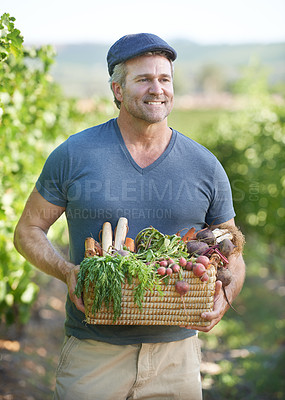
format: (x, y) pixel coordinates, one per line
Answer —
(107, 238)
(92, 248)
(130, 244)
(203, 260)
(182, 287)
(150, 259)
(121, 233)
(206, 236)
(226, 247)
(196, 247)
(224, 275)
(199, 269)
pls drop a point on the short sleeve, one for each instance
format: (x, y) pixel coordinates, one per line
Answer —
(221, 208)
(53, 180)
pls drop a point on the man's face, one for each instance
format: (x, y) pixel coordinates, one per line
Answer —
(148, 90)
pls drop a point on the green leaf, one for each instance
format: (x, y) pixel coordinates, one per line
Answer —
(30, 293)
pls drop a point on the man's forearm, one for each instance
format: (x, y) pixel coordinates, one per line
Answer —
(33, 244)
(237, 267)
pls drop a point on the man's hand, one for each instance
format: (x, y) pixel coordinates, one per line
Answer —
(220, 307)
(71, 280)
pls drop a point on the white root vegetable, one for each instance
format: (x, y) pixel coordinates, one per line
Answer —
(107, 237)
(221, 234)
(121, 233)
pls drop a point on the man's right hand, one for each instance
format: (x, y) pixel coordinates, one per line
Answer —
(71, 280)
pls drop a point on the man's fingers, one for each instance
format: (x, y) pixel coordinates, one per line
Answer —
(218, 287)
(78, 303)
(71, 283)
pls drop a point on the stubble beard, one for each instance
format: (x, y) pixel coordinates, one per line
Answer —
(139, 109)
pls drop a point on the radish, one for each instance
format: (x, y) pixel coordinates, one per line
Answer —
(182, 287)
(170, 261)
(175, 268)
(169, 271)
(203, 260)
(199, 269)
(161, 271)
(182, 262)
(163, 263)
(189, 265)
(204, 277)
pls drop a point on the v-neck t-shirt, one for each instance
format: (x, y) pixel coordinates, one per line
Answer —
(93, 175)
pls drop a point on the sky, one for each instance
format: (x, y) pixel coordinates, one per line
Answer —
(202, 21)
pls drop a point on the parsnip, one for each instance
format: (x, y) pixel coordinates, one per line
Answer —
(121, 233)
(107, 237)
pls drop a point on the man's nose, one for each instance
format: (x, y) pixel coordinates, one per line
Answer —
(155, 87)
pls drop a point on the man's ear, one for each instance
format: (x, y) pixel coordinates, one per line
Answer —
(117, 89)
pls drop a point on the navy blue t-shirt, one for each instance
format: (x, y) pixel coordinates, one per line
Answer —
(93, 175)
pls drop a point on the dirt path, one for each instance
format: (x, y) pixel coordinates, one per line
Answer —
(28, 361)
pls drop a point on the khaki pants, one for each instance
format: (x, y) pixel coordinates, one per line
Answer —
(90, 369)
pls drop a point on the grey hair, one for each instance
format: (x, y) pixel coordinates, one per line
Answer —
(120, 73)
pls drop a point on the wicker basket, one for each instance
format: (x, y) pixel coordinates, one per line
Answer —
(157, 309)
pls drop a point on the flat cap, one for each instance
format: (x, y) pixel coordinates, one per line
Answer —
(131, 46)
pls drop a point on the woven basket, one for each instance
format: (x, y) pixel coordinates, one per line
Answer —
(157, 309)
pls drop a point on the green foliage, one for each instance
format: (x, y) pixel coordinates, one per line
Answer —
(34, 117)
(249, 143)
(10, 38)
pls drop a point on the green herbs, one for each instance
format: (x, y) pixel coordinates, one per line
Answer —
(152, 245)
(105, 275)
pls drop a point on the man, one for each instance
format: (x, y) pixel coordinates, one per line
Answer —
(133, 166)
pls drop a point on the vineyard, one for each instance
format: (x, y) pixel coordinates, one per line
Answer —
(244, 356)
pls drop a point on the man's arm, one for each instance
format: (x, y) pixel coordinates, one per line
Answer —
(30, 239)
(237, 267)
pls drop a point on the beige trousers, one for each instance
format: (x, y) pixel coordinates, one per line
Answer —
(90, 369)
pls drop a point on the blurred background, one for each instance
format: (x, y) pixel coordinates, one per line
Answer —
(230, 88)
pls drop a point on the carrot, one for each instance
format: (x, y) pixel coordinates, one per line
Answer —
(189, 235)
(92, 248)
(130, 244)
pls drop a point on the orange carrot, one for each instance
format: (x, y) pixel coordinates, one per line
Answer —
(189, 235)
(130, 244)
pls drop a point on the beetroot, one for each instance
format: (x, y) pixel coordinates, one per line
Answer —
(207, 236)
(226, 247)
(224, 275)
(196, 247)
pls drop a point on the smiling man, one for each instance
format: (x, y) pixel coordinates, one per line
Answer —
(138, 167)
